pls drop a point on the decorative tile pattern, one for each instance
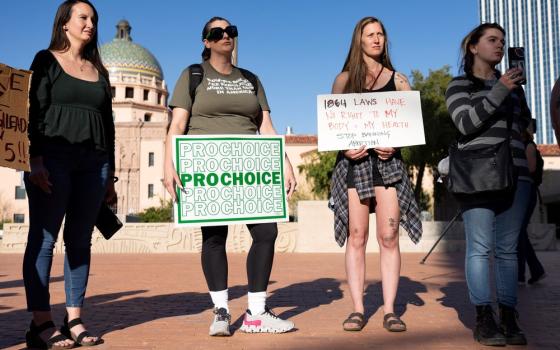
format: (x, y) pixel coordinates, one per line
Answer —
(154, 238)
(121, 55)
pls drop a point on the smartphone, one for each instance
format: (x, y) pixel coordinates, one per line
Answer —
(516, 58)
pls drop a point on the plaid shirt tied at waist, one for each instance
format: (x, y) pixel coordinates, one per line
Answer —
(394, 173)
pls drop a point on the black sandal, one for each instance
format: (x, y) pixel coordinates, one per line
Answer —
(354, 323)
(394, 325)
(80, 337)
(34, 341)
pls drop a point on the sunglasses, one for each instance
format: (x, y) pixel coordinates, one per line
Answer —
(217, 33)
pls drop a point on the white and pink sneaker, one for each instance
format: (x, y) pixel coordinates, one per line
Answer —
(267, 322)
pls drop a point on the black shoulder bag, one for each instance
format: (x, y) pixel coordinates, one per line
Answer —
(489, 169)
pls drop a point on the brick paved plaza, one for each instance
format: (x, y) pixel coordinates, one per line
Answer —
(159, 301)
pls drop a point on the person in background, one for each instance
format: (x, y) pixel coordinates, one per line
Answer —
(555, 109)
(72, 137)
(525, 251)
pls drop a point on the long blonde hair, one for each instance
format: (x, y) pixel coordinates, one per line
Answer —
(355, 64)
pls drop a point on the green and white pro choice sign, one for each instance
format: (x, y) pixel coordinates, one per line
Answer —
(229, 179)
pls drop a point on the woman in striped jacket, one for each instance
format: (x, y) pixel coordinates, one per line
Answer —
(483, 103)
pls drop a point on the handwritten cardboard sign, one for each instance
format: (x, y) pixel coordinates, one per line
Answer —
(229, 179)
(376, 119)
(14, 117)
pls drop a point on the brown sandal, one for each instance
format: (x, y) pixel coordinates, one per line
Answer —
(354, 323)
(393, 325)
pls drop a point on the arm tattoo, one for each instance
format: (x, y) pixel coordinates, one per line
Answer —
(402, 78)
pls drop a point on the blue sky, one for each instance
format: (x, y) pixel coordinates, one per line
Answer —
(295, 47)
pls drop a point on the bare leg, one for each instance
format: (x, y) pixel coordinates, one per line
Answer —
(387, 216)
(356, 248)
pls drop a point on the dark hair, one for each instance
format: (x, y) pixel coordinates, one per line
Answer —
(355, 64)
(472, 38)
(60, 42)
(206, 52)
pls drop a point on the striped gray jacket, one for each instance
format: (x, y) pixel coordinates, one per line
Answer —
(480, 114)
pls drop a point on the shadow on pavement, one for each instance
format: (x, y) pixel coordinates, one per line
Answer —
(407, 294)
(110, 312)
(455, 295)
(310, 295)
(19, 283)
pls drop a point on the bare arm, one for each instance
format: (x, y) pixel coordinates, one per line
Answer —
(340, 83)
(401, 81)
(267, 128)
(179, 120)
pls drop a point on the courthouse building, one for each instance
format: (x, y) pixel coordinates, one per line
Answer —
(141, 116)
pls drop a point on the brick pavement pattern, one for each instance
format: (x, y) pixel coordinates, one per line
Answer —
(160, 302)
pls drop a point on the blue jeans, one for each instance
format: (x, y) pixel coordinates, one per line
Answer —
(79, 177)
(494, 229)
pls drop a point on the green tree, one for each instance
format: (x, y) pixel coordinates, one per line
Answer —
(163, 213)
(318, 171)
(438, 127)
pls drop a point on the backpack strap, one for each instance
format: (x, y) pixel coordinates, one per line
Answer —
(254, 81)
(195, 78)
(251, 77)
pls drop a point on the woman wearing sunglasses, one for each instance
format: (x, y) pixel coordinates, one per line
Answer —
(239, 107)
(375, 179)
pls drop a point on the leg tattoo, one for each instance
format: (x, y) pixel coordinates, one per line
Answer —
(394, 225)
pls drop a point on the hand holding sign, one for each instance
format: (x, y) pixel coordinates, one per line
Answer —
(356, 154)
(290, 179)
(170, 180)
(384, 153)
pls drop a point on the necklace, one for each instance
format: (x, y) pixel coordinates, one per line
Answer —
(82, 65)
(377, 77)
(82, 62)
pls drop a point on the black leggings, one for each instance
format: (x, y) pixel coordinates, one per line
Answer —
(259, 259)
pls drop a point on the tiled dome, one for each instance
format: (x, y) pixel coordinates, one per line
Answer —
(122, 55)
